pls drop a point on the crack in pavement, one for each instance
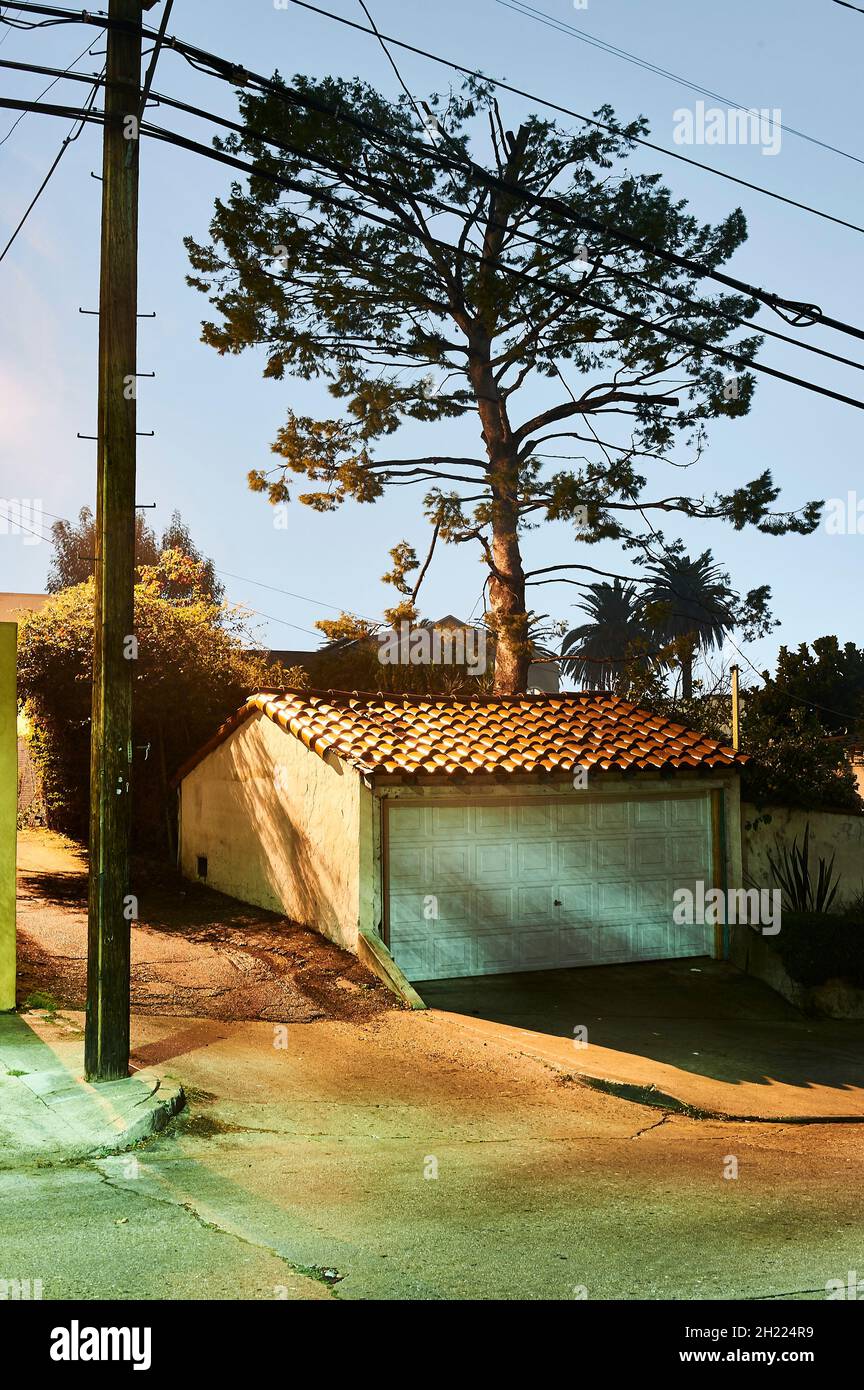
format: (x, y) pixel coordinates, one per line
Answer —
(327, 1275)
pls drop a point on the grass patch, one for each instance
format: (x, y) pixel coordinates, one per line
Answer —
(40, 999)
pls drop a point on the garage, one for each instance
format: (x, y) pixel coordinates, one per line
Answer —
(445, 837)
(481, 888)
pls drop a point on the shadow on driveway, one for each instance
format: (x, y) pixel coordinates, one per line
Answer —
(699, 1016)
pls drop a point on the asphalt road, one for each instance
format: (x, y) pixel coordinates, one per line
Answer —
(402, 1158)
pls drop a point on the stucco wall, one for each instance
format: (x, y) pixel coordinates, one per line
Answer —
(280, 827)
(830, 833)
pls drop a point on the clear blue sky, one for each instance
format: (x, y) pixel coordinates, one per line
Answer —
(215, 418)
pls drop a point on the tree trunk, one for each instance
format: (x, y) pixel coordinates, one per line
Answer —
(506, 615)
(687, 670)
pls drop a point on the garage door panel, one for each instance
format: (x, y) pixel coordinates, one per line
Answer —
(613, 815)
(536, 905)
(651, 814)
(495, 862)
(493, 820)
(496, 953)
(689, 811)
(562, 883)
(452, 956)
(451, 865)
(577, 900)
(451, 822)
(493, 905)
(574, 816)
(535, 859)
(537, 819)
(651, 852)
(613, 855)
(574, 857)
(654, 896)
(687, 853)
(614, 899)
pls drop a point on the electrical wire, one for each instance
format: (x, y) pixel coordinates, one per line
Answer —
(238, 75)
(65, 73)
(799, 313)
(70, 138)
(737, 360)
(542, 17)
(684, 339)
(576, 115)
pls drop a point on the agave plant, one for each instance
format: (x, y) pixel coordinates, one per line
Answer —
(802, 891)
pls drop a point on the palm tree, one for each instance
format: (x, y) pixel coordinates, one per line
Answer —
(604, 650)
(689, 603)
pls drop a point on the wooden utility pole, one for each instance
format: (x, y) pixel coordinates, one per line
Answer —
(736, 709)
(106, 1051)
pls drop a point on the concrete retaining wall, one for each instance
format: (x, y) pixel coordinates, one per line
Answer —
(831, 832)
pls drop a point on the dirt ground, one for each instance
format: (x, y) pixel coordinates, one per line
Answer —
(194, 951)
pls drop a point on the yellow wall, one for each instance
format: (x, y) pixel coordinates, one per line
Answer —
(8, 811)
(282, 828)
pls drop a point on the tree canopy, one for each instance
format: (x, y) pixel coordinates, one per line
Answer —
(184, 573)
(375, 249)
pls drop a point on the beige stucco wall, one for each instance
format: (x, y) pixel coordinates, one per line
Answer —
(831, 832)
(281, 828)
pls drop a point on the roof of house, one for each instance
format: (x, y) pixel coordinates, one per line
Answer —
(418, 735)
(14, 607)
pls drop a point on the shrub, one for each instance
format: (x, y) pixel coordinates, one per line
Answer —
(190, 673)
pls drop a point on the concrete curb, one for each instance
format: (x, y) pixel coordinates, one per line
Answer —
(376, 957)
(50, 1114)
(670, 1105)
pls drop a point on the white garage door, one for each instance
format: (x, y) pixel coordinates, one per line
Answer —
(486, 888)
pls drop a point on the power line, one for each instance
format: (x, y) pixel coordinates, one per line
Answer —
(796, 699)
(70, 138)
(90, 18)
(293, 185)
(586, 120)
(623, 275)
(237, 75)
(803, 313)
(542, 17)
(847, 6)
(685, 339)
(47, 89)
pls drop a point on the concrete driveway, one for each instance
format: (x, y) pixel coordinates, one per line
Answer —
(696, 1030)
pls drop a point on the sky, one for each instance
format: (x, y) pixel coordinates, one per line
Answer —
(214, 418)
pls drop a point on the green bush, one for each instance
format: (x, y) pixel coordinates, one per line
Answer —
(816, 947)
(191, 672)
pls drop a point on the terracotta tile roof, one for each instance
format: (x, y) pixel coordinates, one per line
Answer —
(418, 735)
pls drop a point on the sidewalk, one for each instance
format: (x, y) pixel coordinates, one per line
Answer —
(49, 1114)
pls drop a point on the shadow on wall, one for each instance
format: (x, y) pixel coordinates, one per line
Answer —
(268, 841)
